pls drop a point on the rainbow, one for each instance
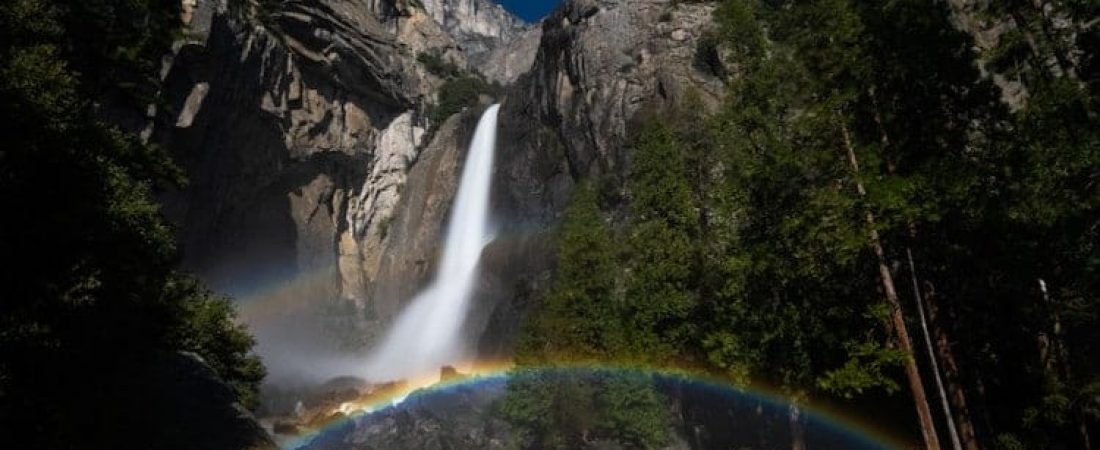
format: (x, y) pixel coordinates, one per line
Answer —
(272, 300)
(486, 373)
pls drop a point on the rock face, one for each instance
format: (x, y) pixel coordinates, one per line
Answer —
(507, 62)
(565, 120)
(297, 126)
(478, 26)
(599, 64)
(317, 196)
(459, 418)
(406, 255)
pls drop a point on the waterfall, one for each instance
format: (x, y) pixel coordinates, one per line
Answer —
(427, 334)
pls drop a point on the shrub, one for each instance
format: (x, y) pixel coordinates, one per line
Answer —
(459, 93)
(436, 65)
(207, 326)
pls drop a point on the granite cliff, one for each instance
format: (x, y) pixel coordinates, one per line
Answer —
(298, 122)
(319, 188)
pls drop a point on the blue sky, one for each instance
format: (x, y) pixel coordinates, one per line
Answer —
(529, 10)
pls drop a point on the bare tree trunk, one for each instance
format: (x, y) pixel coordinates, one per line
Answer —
(962, 416)
(948, 416)
(1046, 347)
(1055, 359)
(1083, 430)
(920, 399)
(956, 394)
(798, 427)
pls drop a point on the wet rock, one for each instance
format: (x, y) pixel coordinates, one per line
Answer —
(407, 256)
(457, 419)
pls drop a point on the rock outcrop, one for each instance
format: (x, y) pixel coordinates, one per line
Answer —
(405, 255)
(193, 408)
(296, 126)
(458, 418)
(478, 26)
(600, 63)
(507, 62)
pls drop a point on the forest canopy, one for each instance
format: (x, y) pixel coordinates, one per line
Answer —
(867, 217)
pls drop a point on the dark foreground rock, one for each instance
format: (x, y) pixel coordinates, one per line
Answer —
(192, 408)
(457, 418)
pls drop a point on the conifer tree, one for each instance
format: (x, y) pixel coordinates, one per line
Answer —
(579, 317)
(582, 319)
(662, 260)
(93, 309)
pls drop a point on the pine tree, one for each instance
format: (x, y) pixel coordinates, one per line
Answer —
(579, 317)
(662, 261)
(780, 317)
(583, 318)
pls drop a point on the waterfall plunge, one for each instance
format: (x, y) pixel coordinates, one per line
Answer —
(427, 334)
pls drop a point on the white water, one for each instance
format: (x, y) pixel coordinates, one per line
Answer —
(427, 334)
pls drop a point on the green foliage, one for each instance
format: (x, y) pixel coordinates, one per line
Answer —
(459, 93)
(661, 243)
(949, 173)
(865, 370)
(582, 318)
(93, 299)
(208, 328)
(460, 90)
(436, 65)
(570, 408)
(116, 46)
(634, 411)
(781, 314)
(579, 317)
(550, 409)
(739, 27)
(742, 241)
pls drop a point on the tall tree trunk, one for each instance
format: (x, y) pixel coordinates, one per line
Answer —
(1055, 359)
(891, 167)
(798, 427)
(955, 392)
(1046, 348)
(1083, 430)
(920, 399)
(919, 299)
